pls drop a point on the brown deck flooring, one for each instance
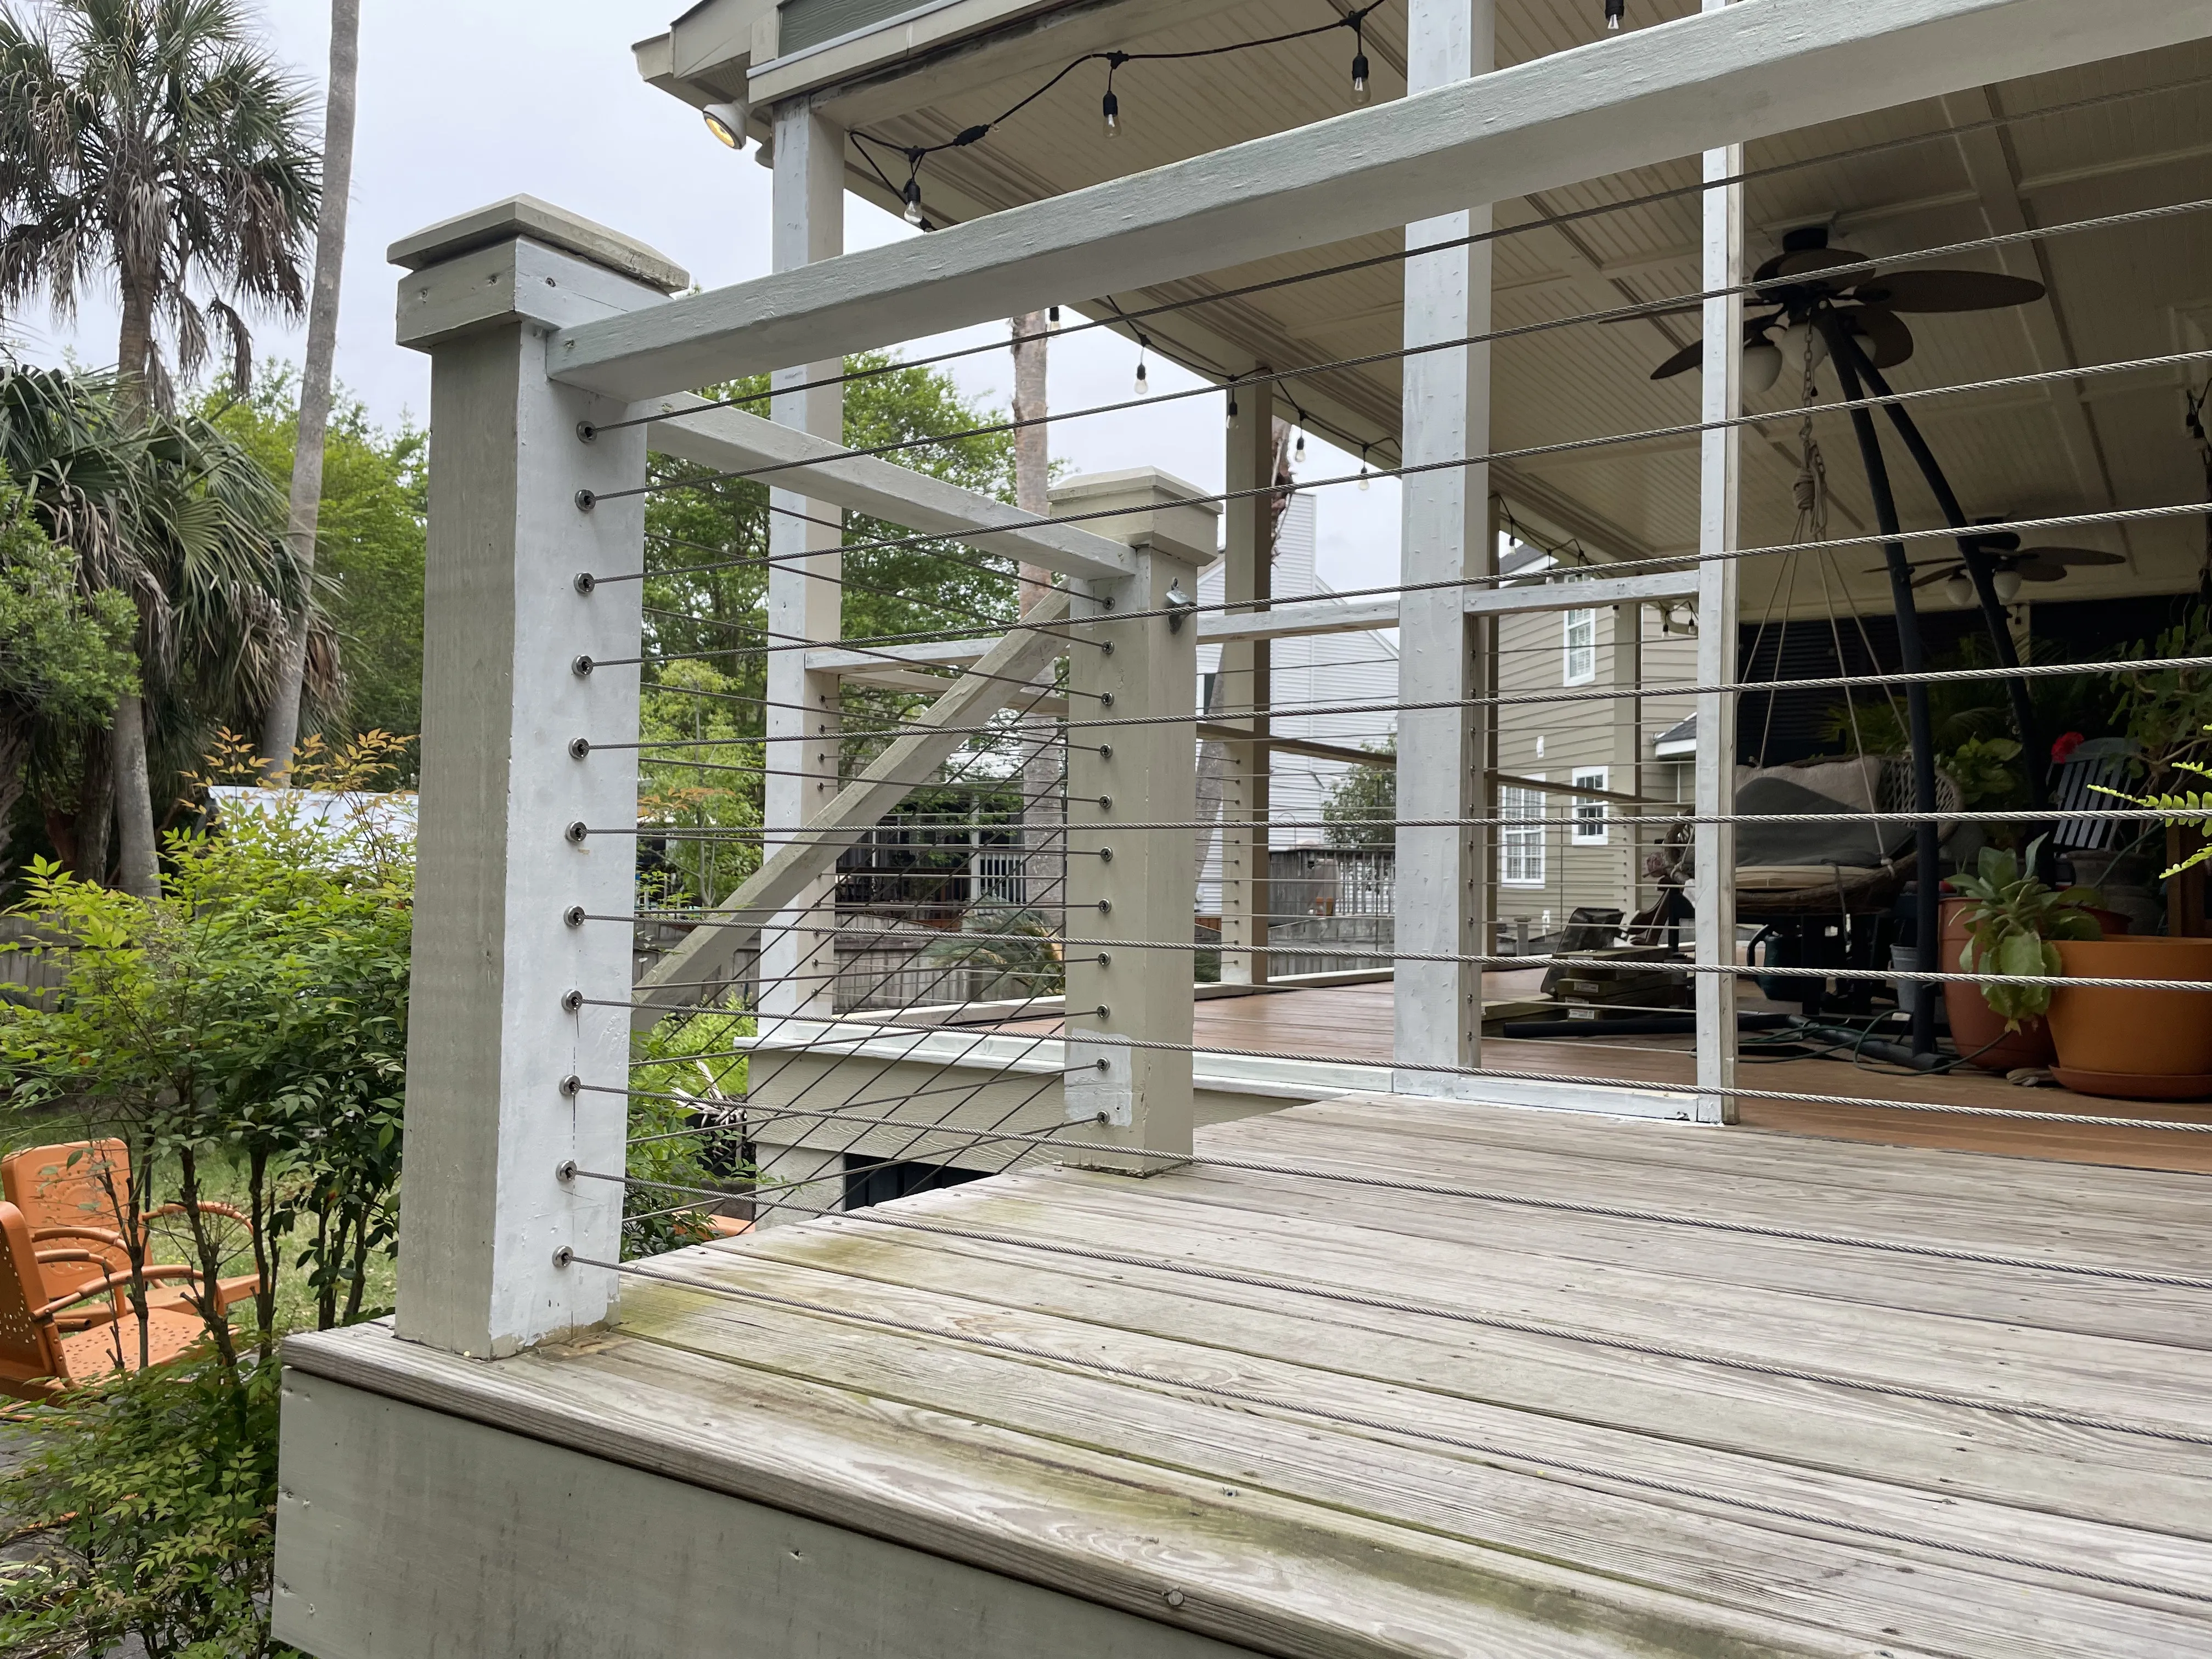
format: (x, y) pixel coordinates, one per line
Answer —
(1353, 1023)
(1595, 1389)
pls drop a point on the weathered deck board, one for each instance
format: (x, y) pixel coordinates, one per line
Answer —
(1028, 1377)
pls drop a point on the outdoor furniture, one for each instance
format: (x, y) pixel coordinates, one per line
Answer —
(38, 1358)
(64, 1192)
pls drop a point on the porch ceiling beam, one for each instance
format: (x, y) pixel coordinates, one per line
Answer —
(1722, 77)
(730, 440)
(1584, 595)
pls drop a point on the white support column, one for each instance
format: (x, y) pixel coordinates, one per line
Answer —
(491, 1118)
(1129, 884)
(798, 956)
(1720, 469)
(1441, 872)
(1246, 683)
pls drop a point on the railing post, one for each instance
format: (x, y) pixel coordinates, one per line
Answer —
(491, 1115)
(1246, 683)
(1448, 536)
(1720, 468)
(1129, 884)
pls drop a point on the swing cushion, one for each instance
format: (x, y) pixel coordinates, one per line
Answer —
(1851, 845)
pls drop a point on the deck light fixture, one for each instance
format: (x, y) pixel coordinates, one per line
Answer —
(726, 122)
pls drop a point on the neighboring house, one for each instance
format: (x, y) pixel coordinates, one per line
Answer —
(1546, 870)
(1325, 669)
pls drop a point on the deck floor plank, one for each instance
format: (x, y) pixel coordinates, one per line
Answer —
(1321, 1477)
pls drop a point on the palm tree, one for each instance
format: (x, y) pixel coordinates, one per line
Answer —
(168, 510)
(279, 733)
(154, 142)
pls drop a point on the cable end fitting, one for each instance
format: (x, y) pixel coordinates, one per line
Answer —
(586, 432)
(585, 500)
(573, 1001)
(579, 748)
(585, 582)
(563, 1256)
(581, 666)
(574, 915)
(572, 1085)
(576, 832)
(565, 1170)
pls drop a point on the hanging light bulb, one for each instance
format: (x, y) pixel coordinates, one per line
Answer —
(1143, 384)
(913, 195)
(1614, 11)
(1052, 319)
(1298, 455)
(1359, 68)
(1363, 466)
(1111, 108)
(1959, 588)
(1231, 420)
(2007, 585)
(1761, 365)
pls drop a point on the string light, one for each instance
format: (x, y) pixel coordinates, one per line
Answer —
(1111, 106)
(1052, 319)
(1363, 466)
(1614, 11)
(912, 194)
(1231, 421)
(1298, 455)
(1144, 382)
(1359, 59)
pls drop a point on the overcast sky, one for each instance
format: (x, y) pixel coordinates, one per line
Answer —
(466, 101)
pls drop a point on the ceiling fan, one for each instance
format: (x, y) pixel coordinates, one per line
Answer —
(2010, 565)
(1797, 283)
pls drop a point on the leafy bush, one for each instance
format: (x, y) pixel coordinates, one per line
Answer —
(685, 1127)
(2011, 923)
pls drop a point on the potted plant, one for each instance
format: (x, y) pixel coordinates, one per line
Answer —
(2006, 921)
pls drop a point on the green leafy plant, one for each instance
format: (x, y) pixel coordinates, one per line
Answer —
(1984, 770)
(2195, 803)
(2011, 924)
(683, 1127)
(1008, 951)
(1360, 809)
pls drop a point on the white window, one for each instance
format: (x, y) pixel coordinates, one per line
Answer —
(1590, 820)
(1521, 837)
(1581, 665)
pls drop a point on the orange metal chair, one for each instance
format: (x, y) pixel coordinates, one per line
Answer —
(78, 1192)
(38, 1359)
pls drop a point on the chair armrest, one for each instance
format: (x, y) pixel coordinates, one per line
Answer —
(107, 1286)
(205, 1209)
(114, 1240)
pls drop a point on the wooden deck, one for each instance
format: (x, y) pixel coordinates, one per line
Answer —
(1342, 1414)
(1353, 1023)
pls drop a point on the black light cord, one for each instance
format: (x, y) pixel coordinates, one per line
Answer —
(1109, 106)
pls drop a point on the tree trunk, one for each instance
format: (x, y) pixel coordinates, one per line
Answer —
(15, 748)
(280, 732)
(128, 778)
(94, 827)
(138, 864)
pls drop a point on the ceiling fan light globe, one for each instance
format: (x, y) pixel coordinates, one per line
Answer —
(1959, 588)
(2006, 584)
(1794, 339)
(1762, 366)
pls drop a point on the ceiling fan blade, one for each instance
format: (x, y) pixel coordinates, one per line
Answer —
(1689, 357)
(1947, 290)
(1884, 330)
(2073, 555)
(2032, 570)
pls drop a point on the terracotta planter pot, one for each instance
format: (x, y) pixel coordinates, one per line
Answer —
(1978, 1030)
(2134, 1044)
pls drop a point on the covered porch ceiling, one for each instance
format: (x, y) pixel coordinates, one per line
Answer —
(931, 72)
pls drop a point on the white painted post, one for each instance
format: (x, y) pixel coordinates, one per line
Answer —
(798, 956)
(1713, 886)
(1246, 683)
(1441, 887)
(489, 1120)
(1129, 884)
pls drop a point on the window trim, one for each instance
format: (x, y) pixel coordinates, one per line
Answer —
(1569, 675)
(1513, 800)
(1599, 812)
